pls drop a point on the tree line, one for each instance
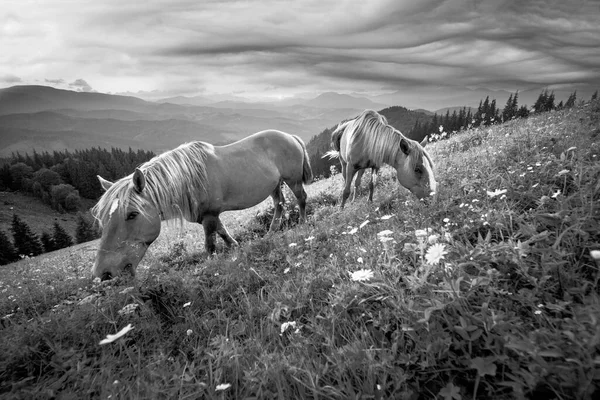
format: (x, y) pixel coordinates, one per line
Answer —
(62, 178)
(488, 113)
(438, 127)
(26, 243)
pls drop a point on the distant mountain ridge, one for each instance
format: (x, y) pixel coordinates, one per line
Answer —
(45, 118)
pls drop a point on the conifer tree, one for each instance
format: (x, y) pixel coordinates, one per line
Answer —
(594, 96)
(8, 253)
(507, 113)
(47, 242)
(571, 100)
(27, 243)
(85, 229)
(540, 103)
(61, 238)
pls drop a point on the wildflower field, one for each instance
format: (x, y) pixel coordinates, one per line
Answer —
(490, 293)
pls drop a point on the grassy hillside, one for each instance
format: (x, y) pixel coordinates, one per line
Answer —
(39, 216)
(492, 292)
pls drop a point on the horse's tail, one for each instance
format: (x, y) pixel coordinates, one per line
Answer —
(307, 174)
(331, 154)
(336, 136)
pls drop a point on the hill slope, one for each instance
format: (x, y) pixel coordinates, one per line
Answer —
(490, 293)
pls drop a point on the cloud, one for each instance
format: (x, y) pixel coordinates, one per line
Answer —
(55, 81)
(81, 86)
(10, 79)
(268, 46)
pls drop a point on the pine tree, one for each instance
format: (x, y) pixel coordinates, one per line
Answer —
(85, 229)
(540, 103)
(8, 253)
(61, 238)
(27, 243)
(47, 242)
(549, 106)
(507, 113)
(594, 96)
(571, 100)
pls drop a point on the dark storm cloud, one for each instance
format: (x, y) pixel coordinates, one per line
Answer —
(252, 45)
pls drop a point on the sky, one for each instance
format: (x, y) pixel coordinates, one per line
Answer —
(273, 49)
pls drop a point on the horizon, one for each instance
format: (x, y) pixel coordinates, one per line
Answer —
(435, 54)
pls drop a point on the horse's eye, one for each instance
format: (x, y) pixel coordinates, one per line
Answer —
(418, 170)
(132, 215)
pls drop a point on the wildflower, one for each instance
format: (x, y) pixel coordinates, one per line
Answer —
(292, 245)
(433, 239)
(361, 275)
(223, 386)
(286, 325)
(285, 271)
(352, 231)
(189, 303)
(555, 195)
(385, 217)
(495, 193)
(595, 254)
(435, 253)
(446, 220)
(112, 338)
(363, 224)
(441, 128)
(308, 239)
(362, 249)
(562, 172)
(537, 312)
(189, 332)
(359, 260)
(385, 233)
(128, 309)
(420, 233)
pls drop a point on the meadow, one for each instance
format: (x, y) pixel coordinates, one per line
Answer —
(492, 292)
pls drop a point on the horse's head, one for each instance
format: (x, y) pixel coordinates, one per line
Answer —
(415, 169)
(130, 224)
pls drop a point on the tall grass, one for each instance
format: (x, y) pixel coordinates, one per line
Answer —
(492, 292)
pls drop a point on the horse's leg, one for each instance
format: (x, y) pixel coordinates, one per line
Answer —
(298, 190)
(278, 201)
(350, 171)
(222, 231)
(357, 183)
(373, 182)
(210, 224)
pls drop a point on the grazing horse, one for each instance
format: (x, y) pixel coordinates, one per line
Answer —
(368, 141)
(196, 181)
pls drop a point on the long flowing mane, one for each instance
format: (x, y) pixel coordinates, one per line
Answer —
(380, 141)
(175, 181)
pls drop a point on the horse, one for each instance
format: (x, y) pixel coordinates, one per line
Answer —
(196, 181)
(368, 141)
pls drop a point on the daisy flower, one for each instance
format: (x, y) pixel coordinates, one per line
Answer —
(361, 275)
(435, 253)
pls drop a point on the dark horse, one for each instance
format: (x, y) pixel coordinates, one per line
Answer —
(368, 141)
(196, 181)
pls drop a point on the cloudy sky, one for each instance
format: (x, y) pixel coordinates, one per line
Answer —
(262, 49)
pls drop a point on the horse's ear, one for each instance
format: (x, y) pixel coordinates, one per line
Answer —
(424, 142)
(404, 146)
(139, 180)
(104, 183)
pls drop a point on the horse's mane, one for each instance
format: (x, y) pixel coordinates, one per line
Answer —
(379, 140)
(174, 182)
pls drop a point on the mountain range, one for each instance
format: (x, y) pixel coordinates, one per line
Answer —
(44, 118)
